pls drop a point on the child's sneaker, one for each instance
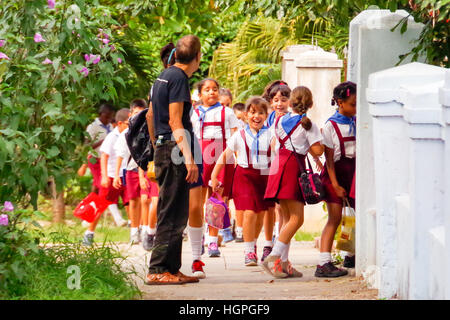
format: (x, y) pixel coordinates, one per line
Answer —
(88, 239)
(349, 262)
(272, 264)
(213, 250)
(227, 235)
(266, 251)
(251, 259)
(148, 241)
(197, 269)
(290, 270)
(329, 270)
(134, 238)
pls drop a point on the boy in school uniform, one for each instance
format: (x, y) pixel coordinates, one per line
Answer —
(131, 175)
(98, 130)
(108, 166)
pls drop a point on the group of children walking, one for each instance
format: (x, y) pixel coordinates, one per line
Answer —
(252, 153)
(115, 174)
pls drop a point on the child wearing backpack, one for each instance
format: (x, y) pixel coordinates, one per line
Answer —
(213, 124)
(131, 175)
(108, 161)
(297, 136)
(252, 146)
(340, 150)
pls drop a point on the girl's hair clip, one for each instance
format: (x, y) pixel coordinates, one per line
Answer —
(348, 92)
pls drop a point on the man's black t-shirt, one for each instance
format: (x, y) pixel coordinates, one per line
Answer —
(171, 86)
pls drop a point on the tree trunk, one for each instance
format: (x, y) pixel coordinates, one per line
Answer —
(58, 204)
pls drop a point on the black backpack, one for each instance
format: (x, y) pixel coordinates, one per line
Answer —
(138, 140)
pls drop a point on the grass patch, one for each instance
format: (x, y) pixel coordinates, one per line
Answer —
(306, 236)
(48, 276)
(103, 233)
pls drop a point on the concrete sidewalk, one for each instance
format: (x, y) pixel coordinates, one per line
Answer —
(227, 278)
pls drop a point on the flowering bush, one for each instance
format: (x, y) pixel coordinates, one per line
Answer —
(48, 88)
(19, 236)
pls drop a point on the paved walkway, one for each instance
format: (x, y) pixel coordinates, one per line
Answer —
(227, 278)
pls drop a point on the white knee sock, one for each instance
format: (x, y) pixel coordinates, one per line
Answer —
(239, 231)
(278, 248)
(115, 212)
(213, 239)
(249, 247)
(324, 257)
(151, 230)
(285, 254)
(195, 235)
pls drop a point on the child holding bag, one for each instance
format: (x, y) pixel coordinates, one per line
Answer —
(340, 151)
(252, 146)
(213, 124)
(297, 136)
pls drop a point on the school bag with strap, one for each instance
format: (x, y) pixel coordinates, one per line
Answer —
(138, 140)
(309, 182)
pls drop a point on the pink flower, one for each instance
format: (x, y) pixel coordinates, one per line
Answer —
(113, 48)
(105, 41)
(47, 61)
(8, 206)
(38, 38)
(119, 60)
(2, 43)
(96, 59)
(85, 71)
(69, 62)
(87, 57)
(3, 219)
(3, 56)
(51, 4)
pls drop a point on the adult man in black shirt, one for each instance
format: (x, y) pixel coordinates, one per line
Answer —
(175, 167)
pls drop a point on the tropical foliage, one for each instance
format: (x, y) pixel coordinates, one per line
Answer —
(252, 59)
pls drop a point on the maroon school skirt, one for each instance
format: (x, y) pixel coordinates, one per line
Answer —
(283, 177)
(211, 150)
(345, 170)
(249, 186)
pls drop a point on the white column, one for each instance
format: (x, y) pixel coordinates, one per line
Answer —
(372, 47)
(288, 70)
(444, 100)
(424, 116)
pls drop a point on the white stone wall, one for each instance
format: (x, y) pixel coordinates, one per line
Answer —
(372, 47)
(406, 106)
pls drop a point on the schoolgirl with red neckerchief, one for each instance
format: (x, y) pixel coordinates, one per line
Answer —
(296, 136)
(339, 139)
(213, 124)
(252, 146)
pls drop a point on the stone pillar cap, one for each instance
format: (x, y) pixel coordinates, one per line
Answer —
(385, 86)
(293, 51)
(318, 59)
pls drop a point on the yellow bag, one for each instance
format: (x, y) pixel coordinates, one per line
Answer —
(151, 171)
(346, 234)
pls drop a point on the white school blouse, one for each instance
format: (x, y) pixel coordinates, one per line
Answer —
(301, 139)
(97, 131)
(237, 144)
(214, 115)
(108, 148)
(122, 150)
(331, 140)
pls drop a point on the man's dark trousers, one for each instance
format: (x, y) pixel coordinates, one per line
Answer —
(172, 211)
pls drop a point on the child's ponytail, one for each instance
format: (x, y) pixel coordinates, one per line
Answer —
(301, 101)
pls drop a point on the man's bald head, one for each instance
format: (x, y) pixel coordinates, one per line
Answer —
(187, 49)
